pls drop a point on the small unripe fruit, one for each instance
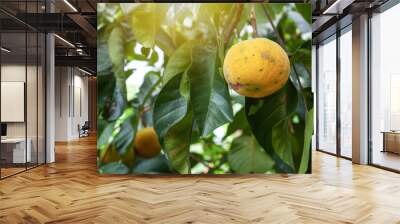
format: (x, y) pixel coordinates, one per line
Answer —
(146, 143)
(256, 68)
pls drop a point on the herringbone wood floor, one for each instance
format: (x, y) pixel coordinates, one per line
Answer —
(70, 191)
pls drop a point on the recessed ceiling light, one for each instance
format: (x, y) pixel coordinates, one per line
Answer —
(64, 40)
(84, 71)
(5, 50)
(70, 5)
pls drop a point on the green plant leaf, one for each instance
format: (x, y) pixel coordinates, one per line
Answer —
(114, 168)
(158, 164)
(116, 49)
(239, 123)
(145, 22)
(177, 144)
(307, 141)
(284, 143)
(305, 10)
(263, 114)
(105, 83)
(104, 136)
(104, 65)
(179, 62)
(209, 93)
(170, 107)
(247, 156)
(124, 131)
(115, 107)
(146, 89)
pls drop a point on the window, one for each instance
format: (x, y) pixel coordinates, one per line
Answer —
(346, 92)
(327, 96)
(385, 89)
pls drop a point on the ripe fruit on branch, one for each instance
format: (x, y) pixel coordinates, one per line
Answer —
(256, 68)
(146, 143)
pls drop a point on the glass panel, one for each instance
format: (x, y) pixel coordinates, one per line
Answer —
(41, 99)
(31, 97)
(32, 86)
(327, 96)
(346, 94)
(385, 84)
(13, 86)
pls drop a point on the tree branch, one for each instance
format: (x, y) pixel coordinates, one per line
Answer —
(301, 88)
(277, 34)
(233, 24)
(201, 161)
(253, 21)
(282, 43)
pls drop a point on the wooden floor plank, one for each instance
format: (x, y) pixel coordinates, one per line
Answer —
(71, 191)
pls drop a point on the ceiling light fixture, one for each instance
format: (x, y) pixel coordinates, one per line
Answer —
(337, 7)
(84, 71)
(333, 6)
(65, 41)
(5, 50)
(70, 5)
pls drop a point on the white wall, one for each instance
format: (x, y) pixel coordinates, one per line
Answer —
(71, 94)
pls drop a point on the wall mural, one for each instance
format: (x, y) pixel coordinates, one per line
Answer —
(204, 88)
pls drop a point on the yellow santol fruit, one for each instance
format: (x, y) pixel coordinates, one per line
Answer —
(146, 143)
(256, 68)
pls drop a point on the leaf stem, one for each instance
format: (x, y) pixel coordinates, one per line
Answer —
(201, 161)
(282, 43)
(233, 24)
(150, 92)
(253, 21)
(301, 88)
(277, 34)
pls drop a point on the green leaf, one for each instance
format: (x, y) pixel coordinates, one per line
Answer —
(179, 62)
(145, 22)
(145, 51)
(124, 131)
(208, 91)
(158, 164)
(153, 57)
(104, 136)
(305, 10)
(307, 141)
(263, 114)
(239, 123)
(177, 144)
(115, 107)
(105, 83)
(170, 107)
(304, 76)
(146, 89)
(284, 143)
(116, 49)
(247, 156)
(114, 168)
(104, 65)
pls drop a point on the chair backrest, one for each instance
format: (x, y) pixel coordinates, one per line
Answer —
(86, 124)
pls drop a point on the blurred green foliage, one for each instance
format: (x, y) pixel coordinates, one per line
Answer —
(203, 126)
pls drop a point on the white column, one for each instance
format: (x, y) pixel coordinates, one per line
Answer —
(360, 90)
(50, 94)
